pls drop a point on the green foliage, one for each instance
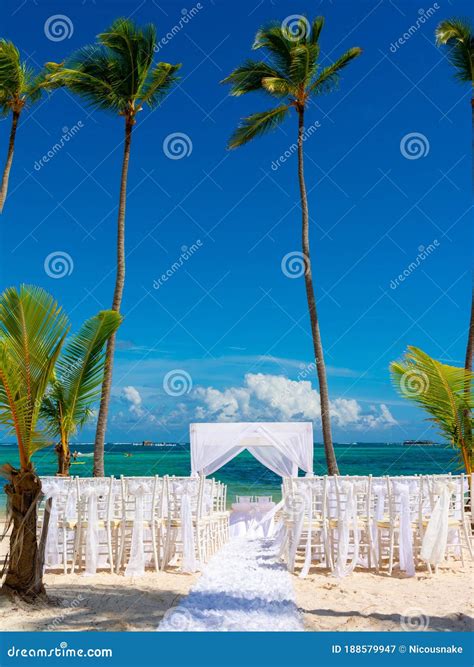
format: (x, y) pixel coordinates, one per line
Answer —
(117, 73)
(78, 376)
(19, 84)
(32, 330)
(456, 35)
(291, 72)
(444, 392)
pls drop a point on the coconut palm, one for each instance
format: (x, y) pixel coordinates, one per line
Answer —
(441, 391)
(292, 74)
(76, 384)
(457, 37)
(32, 330)
(19, 87)
(116, 75)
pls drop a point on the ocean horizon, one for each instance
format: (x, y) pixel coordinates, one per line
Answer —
(244, 475)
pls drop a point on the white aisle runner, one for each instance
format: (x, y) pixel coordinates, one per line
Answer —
(242, 588)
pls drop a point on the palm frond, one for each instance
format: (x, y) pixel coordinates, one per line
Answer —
(316, 28)
(257, 124)
(275, 40)
(456, 35)
(79, 374)
(443, 391)
(248, 77)
(328, 78)
(134, 46)
(159, 82)
(32, 331)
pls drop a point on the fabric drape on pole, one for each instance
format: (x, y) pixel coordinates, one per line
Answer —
(283, 447)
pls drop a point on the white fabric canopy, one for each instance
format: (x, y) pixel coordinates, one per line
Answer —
(281, 446)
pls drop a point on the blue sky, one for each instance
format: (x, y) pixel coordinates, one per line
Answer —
(229, 321)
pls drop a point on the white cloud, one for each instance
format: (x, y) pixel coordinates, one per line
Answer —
(133, 398)
(276, 397)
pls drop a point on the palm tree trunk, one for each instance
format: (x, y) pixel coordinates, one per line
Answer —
(64, 459)
(8, 164)
(117, 301)
(313, 315)
(24, 573)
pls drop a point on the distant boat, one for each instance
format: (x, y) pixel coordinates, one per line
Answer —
(418, 442)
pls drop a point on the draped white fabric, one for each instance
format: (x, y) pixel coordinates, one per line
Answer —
(283, 447)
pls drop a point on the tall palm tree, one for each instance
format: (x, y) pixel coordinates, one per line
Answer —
(456, 35)
(76, 383)
(441, 391)
(116, 75)
(292, 74)
(19, 86)
(32, 330)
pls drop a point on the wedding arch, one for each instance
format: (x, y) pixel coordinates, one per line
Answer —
(283, 447)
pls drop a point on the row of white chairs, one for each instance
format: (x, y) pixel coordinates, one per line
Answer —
(345, 522)
(130, 523)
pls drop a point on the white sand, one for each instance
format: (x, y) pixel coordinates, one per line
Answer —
(377, 602)
(103, 602)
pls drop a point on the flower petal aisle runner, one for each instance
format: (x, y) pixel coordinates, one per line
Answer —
(243, 587)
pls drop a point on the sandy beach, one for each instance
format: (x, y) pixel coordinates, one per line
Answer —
(364, 601)
(376, 602)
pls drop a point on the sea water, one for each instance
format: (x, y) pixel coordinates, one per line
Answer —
(244, 475)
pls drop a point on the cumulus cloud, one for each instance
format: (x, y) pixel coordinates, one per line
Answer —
(276, 397)
(132, 396)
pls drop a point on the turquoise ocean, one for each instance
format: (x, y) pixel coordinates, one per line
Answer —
(245, 475)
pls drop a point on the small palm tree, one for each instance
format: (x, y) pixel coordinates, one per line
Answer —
(116, 75)
(32, 330)
(457, 37)
(19, 86)
(293, 76)
(441, 391)
(76, 384)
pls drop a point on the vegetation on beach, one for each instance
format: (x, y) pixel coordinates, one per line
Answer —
(116, 75)
(292, 74)
(76, 384)
(33, 328)
(41, 394)
(20, 86)
(441, 391)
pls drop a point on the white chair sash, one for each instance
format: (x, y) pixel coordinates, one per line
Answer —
(435, 539)
(136, 562)
(92, 492)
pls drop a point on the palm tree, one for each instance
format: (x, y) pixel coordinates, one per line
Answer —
(32, 330)
(441, 391)
(456, 35)
(78, 376)
(293, 76)
(116, 75)
(19, 86)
